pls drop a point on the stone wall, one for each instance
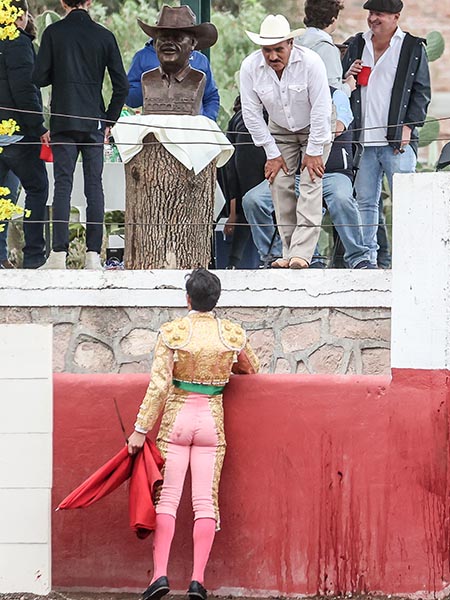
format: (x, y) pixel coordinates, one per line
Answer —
(287, 340)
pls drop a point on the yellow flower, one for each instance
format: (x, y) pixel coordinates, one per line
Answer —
(8, 127)
(8, 209)
(8, 16)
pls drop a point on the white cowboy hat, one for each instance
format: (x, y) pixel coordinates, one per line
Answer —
(274, 29)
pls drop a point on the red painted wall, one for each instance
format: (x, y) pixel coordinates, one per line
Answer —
(330, 484)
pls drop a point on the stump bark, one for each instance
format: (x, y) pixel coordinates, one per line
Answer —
(169, 211)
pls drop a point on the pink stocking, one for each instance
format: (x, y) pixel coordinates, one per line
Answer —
(204, 532)
(165, 528)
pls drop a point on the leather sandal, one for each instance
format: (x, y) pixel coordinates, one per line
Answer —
(298, 263)
(280, 263)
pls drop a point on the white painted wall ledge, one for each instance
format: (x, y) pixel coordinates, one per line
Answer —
(296, 289)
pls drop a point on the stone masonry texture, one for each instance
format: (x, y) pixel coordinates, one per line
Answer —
(287, 340)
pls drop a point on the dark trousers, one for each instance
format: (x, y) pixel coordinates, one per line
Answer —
(66, 146)
(23, 160)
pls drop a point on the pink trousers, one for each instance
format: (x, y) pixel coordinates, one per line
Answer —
(192, 441)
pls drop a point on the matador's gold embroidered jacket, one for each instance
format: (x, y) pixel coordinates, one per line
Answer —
(198, 348)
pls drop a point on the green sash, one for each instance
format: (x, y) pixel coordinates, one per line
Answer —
(200, 388)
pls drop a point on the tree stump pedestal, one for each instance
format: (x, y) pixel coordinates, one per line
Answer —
(169, 211)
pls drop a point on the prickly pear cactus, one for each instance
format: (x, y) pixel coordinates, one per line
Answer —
(435, 45)
(44, 20)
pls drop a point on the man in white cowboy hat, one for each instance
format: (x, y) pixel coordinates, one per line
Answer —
(291, 83)
(175, 87)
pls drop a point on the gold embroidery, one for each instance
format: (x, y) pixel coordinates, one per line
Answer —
(177, 333)
(216, 408)
(232, 335)
(206, 358)
(158, 388)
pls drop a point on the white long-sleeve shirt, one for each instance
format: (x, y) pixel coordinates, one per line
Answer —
(301, 98)
(376, 95)
(321, 42)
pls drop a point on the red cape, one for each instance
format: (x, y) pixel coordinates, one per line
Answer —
(144, 471)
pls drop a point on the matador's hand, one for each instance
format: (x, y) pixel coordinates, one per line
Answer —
(136, 442)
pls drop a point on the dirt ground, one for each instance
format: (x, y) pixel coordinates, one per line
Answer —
(132, 596)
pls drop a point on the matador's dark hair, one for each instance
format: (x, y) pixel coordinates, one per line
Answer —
(203, 288)
(320, 13)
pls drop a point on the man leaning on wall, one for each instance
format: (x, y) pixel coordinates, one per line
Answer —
(291, 83)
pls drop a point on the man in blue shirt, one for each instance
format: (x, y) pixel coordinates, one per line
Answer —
(146, 59)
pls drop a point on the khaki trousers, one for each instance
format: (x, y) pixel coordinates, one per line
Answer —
(299, 219)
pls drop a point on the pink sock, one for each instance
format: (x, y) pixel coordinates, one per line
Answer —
(204, 532)
(165, 528)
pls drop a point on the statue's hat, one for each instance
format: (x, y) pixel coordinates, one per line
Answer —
(182, 18)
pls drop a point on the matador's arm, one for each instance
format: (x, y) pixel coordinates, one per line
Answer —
(158, 388)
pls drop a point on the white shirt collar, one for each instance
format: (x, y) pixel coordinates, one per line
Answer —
(368, 35)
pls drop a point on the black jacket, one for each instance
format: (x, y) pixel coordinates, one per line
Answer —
(411, 93)
(245, 169)
(16, 88)
(72, 58)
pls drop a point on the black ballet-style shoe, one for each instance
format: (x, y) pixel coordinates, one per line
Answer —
(157, 589)
(196, 591)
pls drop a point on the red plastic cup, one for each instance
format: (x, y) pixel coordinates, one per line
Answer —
(46, 153)
(363, 76)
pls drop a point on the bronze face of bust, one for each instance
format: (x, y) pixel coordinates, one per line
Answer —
(173, 48)
(174, 87)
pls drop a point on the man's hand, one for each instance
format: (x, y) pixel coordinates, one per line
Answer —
(340, 128)
(107, 134)
(351, 82)
(45, 138)
(135, 442)
(315, 166)
(232, 219)
(354, 69)
(272, 166)
(406, 138)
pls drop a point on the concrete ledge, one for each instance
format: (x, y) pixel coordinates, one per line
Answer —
(314, 288)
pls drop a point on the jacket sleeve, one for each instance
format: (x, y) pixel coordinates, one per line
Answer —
(247, 361)
(134, 98)
(420, 93)
(211, 99)
(253, 114)
(158, 388)
(19, 63)
(119, 82)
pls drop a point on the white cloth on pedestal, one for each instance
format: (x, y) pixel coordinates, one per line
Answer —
(194, 140)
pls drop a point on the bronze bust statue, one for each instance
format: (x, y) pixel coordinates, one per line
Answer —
(175, 87)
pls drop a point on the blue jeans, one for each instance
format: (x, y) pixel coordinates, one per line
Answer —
(23, 160)
(376, 161)
(12, 182)
(338, 196)
(67, 146)
(258, 209)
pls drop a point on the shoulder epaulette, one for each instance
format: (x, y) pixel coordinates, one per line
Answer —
(177, 333)
(232, 335)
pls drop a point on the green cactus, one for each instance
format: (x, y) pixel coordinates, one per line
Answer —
(429, 132)
(44, 20)
(435, 45)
